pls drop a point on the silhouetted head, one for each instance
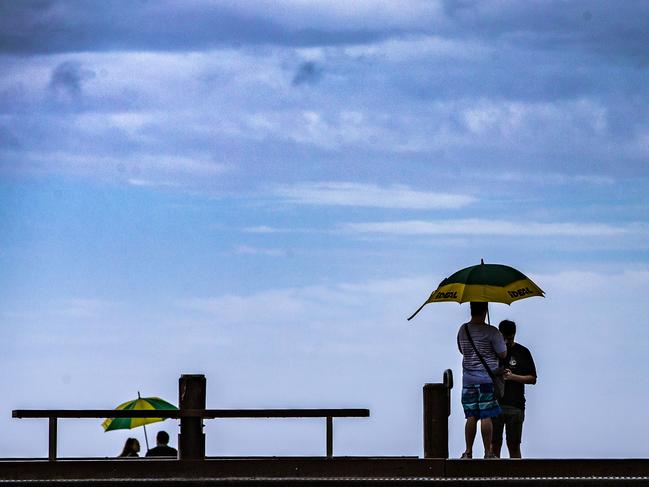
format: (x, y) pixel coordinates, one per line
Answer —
(162, 438)
(131, 448)
(508, 329)
(479, 309)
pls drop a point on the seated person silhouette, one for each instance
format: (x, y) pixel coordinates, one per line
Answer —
(162, 449)
(131, 448)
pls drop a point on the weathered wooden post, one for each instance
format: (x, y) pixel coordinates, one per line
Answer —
(191, 395)
(437, 409)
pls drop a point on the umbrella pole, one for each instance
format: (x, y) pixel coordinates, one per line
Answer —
(146, 438)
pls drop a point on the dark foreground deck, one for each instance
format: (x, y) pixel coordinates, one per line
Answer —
(310, 471)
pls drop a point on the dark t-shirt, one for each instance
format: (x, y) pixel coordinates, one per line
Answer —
(519, 360)
(162, 451)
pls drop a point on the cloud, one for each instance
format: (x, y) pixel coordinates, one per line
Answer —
(29, 27)
(135, 169)
(492, 227)
(67, 78)
(262, 229)
(308, 73)
(250, 250)
(558, 179)
(152, 184)
(369, 195)
(62, 309)
(65, 26)
(315, 304)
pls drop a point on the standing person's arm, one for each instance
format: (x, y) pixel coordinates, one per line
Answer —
(523, 379)
(528, 375)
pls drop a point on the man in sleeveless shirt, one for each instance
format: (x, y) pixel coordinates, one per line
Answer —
(478, 398)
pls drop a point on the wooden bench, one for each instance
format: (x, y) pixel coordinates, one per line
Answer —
(54, 414)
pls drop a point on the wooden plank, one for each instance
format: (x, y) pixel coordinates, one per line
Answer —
(204, 413)
(287, 413)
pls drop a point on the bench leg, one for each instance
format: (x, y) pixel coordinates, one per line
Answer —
(52, 444)
(330, 437)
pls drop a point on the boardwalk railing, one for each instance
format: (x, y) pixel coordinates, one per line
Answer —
(54, 414)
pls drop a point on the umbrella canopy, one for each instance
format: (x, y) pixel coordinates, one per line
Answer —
(139, 404)
(484, 282)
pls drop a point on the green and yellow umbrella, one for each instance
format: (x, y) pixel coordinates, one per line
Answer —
(139, 404)
(495, 283)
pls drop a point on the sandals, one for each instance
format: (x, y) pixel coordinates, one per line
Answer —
(469, 456)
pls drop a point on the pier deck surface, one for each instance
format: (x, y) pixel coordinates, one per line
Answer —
(316, 471)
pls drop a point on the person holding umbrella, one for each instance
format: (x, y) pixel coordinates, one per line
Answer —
(481, 344)
(474, 339)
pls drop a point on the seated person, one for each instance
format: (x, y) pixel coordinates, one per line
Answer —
(162, 449)
(131, 448)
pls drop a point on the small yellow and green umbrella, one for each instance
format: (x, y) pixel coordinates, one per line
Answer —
(484, 282)
(139, 404)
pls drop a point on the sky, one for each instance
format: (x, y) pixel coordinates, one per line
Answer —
(262, 192)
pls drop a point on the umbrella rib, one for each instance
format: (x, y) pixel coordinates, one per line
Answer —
(418, 310)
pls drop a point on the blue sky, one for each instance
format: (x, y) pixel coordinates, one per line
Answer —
(263, 191)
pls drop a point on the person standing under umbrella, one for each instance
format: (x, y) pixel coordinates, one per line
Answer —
(478, 400)
(521, 370)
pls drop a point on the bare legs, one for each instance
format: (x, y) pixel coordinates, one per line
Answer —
(486, 428)
(470, 430)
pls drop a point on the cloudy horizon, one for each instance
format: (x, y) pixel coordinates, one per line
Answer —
(264, 191)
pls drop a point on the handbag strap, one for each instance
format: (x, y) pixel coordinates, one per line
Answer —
(482, 360)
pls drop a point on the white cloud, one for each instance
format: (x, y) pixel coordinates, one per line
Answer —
(151, 165)
(369, 195)
(151, 184)
(262, 229)
(417, 48)
(545, 178)
(250, 250)
(507, 118)
(490, 227)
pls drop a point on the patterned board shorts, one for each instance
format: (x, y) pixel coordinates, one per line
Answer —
(479, 402)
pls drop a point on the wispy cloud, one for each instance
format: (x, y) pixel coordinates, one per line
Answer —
(250, 250)
(491, 227)
(369, 195)
(151, 184)
(556, 178)
(263, 229)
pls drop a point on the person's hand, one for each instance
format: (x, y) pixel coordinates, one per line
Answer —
(508, 374)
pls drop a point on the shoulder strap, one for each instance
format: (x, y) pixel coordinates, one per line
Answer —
(482, 360)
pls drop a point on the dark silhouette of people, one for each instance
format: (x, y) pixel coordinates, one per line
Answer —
(520, 370)
(478, 398)
(131, 448)
(162, 448)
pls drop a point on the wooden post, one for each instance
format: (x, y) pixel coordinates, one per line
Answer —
(191, 395)
(436, 412)
(330, 437)
(52, 443)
